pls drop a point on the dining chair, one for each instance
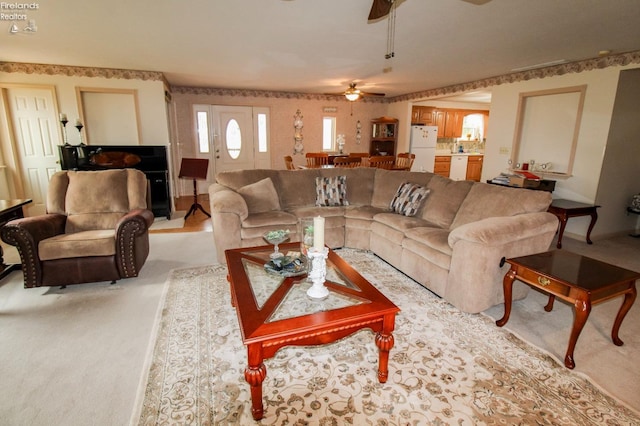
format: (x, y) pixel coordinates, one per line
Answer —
(288, 161)
(404, 161)
(317, 159)
(382, 161)
(349, 162)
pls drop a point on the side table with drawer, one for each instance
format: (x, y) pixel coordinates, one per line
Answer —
(576, 279)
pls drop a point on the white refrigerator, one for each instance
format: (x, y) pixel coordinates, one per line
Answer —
(423, 145)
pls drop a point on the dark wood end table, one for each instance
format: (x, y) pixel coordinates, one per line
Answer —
(577, 279)
(274, 311)
(9, 210)
(565, 209)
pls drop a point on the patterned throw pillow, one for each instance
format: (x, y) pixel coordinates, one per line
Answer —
(408, 198)
(331, 191)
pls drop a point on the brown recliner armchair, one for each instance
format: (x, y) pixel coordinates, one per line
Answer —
(95, 229)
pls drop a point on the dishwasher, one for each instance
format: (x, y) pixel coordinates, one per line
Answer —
(458, 169)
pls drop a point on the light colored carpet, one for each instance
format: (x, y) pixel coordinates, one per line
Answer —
(75, 356)
(615, 368)
(177, 221)
(446, 367)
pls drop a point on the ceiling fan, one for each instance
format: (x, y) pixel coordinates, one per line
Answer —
(381, 8)
(353, 94)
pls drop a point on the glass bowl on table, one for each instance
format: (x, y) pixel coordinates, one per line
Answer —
(276, 237)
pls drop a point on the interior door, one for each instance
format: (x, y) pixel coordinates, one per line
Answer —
(234, 146)
(35, 131)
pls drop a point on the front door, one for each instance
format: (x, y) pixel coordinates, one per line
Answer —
(233, 144)
(36, 135)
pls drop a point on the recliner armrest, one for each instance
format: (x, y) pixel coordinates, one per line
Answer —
(34, 229)
(26, 234)
(137, 221)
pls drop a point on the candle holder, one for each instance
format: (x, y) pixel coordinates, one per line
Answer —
(318, 272)
(64, 121)
(79, 126)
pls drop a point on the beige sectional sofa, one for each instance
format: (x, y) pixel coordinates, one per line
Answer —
(453, 245)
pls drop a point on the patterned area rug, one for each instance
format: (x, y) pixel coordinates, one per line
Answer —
(446, 367)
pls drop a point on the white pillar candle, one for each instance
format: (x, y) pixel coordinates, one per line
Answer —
(318, 233)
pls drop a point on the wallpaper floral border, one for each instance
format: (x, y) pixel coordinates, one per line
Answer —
(621, 59)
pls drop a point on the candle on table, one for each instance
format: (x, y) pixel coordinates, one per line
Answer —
(318, 233)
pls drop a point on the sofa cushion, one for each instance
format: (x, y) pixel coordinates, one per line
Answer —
(331, 191)
(387, 182)
(445, 198)
(260, 196)
(272, 218)
(408, 199)
(79, 244)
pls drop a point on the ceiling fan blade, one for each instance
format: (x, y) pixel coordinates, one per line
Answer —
(371, 94)
(380, 8)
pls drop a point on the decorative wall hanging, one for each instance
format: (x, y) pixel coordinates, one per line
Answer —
(341, 143)
(358, 132)
(298, 148)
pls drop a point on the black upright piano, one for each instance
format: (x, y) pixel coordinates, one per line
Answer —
(153, 163)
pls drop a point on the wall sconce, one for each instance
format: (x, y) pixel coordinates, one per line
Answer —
(298, 148)
(358, 132)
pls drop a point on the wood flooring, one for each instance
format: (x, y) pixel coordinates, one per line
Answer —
(197, 221)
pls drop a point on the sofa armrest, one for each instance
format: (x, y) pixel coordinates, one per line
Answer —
(228, 211)
(26, 234)
(225, 200)
(476, 270)
(497, 231)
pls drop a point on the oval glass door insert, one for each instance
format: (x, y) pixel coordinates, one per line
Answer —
(234, 139)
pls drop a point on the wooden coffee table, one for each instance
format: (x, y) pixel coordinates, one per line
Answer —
(577, 279)
(275, 311)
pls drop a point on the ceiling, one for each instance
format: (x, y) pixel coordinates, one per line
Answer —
(312, 46)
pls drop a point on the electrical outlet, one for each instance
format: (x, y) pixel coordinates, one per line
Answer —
(504, 150)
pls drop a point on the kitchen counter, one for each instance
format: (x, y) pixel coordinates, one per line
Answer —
(449, 154)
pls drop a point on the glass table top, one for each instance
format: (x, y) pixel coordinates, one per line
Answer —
(295, 302)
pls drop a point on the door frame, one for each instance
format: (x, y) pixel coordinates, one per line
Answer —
(9, 150)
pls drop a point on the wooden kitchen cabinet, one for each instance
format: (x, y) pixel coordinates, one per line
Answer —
(439, 117)
(422, 115)
(442, 165)
(453, 123)
(474, 167)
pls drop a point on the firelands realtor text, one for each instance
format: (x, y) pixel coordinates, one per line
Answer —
(14, 11)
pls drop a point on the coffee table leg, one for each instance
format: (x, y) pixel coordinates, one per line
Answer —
(629, 298)
(582, 311)
(254, 374)
(384, 342)
(507, 285)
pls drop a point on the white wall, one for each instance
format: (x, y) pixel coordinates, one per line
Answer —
(153, 122)
(594, 129)
(152, 114)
